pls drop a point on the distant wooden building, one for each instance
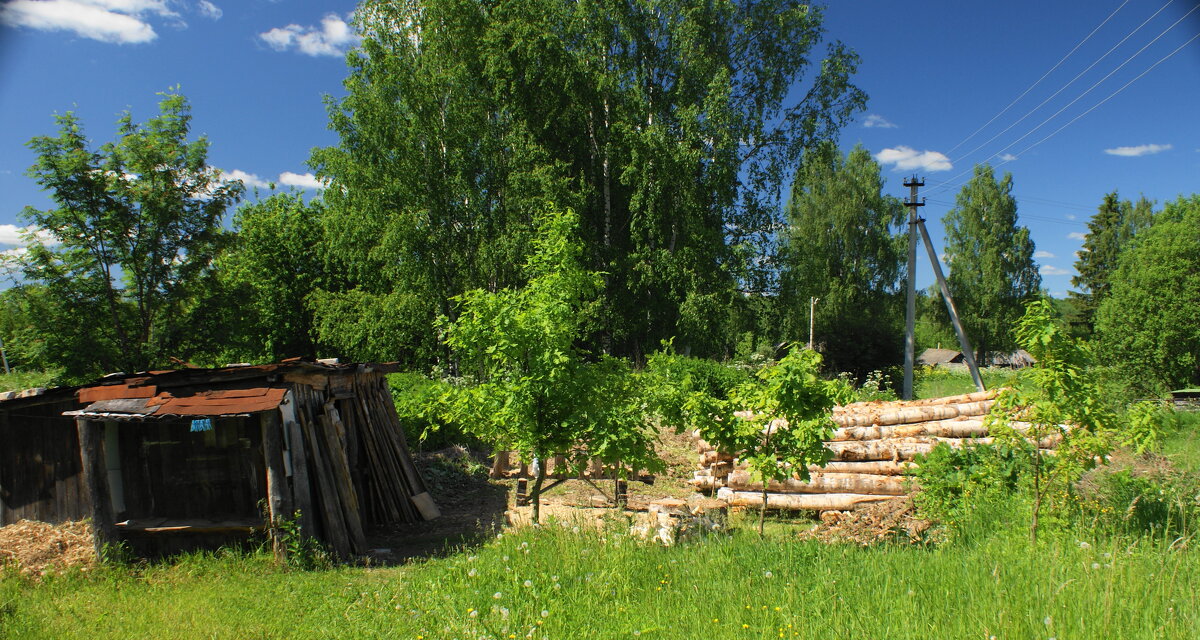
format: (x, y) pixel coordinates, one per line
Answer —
(941, 357)
(167, 456)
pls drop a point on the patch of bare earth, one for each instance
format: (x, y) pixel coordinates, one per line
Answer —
(37, 548)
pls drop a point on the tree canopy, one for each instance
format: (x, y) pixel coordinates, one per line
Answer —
(669, 127)
(1147, 324)
(992, 273)
(840, 247)
(1110, 231)
(119, 260)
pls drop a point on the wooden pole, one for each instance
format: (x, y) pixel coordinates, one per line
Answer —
(301, 485)
(910, 307)
(95, 477)
(279, 503)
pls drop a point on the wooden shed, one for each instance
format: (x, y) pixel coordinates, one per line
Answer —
(39, 457)
(166, 457)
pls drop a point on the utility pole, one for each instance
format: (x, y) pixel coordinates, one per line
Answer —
(917, 224)
(910, 309)
(812, 306)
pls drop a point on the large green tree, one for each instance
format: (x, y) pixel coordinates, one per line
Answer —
(1147, 324)
(668, 126)
(266, 276)
(1110, 231)
(840, 247)
(992, 273)
(120, 258)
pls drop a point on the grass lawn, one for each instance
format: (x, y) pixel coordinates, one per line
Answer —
(558, 583)
(939, 382)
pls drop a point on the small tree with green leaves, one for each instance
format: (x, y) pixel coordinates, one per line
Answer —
(777, 423)
(534, 390)
(1060, 399)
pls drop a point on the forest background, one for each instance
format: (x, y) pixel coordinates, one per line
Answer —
(671, 134)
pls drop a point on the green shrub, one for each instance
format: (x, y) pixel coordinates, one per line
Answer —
(1142, 494)
(969, 489)
(418, 400)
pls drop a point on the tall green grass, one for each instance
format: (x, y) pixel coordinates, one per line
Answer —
(560, 582)
(936, 382)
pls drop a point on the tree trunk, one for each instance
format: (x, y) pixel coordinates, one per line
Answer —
(823, 483)
(805, 501)
(536, 492)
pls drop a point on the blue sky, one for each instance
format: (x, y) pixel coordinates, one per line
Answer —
(940, 76)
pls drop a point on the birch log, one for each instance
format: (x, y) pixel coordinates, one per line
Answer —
(797, 501)
(821, 482)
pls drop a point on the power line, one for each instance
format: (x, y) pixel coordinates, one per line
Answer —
(1101, 81)
(1111, 95)
(1039, 80)
(943, 185)
(1071, 81)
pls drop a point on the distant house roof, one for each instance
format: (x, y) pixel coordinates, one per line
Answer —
(932, 357)
(1017, 359)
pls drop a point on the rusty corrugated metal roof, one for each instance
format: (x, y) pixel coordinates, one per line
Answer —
(182, 402)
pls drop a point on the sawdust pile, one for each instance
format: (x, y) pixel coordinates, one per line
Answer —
(37, 548)
(888, 521)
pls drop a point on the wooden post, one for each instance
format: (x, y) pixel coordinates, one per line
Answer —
(279, 501)
(95, 477)
(301, 485)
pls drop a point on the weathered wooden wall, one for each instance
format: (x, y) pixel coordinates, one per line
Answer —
(39, 464)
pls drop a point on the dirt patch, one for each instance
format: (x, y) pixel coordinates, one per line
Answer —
(888, 521)
(37, 548)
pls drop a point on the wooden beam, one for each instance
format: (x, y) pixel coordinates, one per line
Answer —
(95, 474)
(279, 503)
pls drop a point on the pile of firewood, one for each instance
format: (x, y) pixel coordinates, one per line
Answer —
(874, 444)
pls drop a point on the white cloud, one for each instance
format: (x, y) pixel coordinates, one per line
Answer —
(303, 180)
(106, 21)
(248, 179)
(874, 121)
(908, 159)
(209, 10)
(1051, 270)
(1075, 235)
(1006, 157)
(1071, 216)
(1043, 254)
(1140, 150)
(12, 234)
(332, 38)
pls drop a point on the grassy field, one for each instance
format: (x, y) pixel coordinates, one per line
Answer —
(558, 583)
(938, 382)
(568, 580)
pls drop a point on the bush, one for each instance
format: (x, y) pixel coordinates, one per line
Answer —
(418, 400)
(1142, 493)
(972, 488)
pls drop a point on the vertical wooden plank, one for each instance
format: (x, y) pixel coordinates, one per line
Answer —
(278, 501)
(91, 451)
(331, 513)
(301, 486)
(343, 483)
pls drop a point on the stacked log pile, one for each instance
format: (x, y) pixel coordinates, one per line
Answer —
(873, 446)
